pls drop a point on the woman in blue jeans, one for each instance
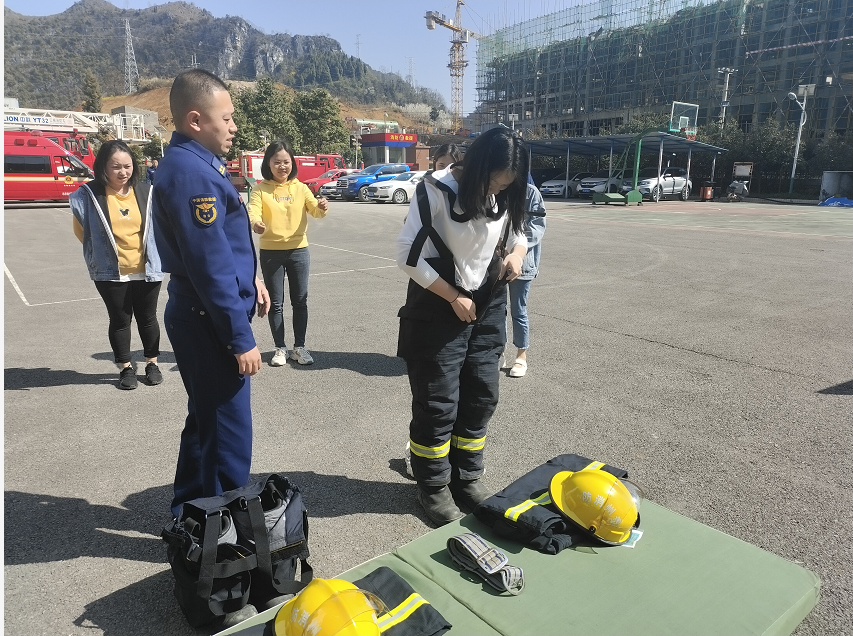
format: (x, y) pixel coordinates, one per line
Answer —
(278, 210)
(534, 230)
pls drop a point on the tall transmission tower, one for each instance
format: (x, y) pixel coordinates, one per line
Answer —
(131, 72)
(358, 45)
(411, 76)
(458, 40)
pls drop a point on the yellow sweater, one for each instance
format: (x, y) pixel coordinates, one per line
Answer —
(282, 207)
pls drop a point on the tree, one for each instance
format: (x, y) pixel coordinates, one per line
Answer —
(91, 94)
(152, 148)
(318, 118)
(832, 152)
(263, 114)
(643, 121)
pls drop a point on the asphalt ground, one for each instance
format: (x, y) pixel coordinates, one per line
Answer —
(704, 347)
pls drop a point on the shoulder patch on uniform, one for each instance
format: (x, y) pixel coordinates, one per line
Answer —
(204, 208)
(221, 169)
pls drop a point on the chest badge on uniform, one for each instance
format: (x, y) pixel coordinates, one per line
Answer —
(204, 209)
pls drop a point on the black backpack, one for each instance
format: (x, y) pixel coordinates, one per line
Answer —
(238, 547)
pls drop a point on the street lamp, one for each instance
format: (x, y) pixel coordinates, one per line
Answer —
(802, 106)
(728, 72)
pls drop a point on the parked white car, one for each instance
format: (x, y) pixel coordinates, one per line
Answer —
(603, 181)
(673, 181)
(557, 187)
(399, 189)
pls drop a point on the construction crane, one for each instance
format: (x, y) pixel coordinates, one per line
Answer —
(458, 39)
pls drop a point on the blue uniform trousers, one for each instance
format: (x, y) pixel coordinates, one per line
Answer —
(453, 372)
(216, 443)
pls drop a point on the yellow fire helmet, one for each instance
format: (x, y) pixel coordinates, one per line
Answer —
(330, 607)
(600, 503)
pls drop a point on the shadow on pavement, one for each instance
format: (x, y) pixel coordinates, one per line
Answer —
(845, 388)
(373, 364)
(46, 528)
(18, 379)
(145, 607)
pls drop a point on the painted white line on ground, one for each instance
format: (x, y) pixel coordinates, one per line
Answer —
(15, 285)
(340, 249)
(62, 302)
(346, 271)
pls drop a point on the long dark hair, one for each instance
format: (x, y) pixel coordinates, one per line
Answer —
(448, 149)
(496, 150)
(272, 150)
(105, 153)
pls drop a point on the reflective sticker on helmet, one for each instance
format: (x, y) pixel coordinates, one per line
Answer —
(599, 501)
(586, 497)
(609, 509)
(614, 521)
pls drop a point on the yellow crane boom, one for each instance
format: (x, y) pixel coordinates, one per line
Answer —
(459, 38)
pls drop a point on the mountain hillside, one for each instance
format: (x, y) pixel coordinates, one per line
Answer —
(46, 57)
(157, 99)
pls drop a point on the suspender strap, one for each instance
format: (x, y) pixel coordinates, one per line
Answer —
(426, 231)
(470, 552)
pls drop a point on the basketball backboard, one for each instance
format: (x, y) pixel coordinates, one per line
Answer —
(683, 117)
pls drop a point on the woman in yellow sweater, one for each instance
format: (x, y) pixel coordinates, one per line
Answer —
(278, 209)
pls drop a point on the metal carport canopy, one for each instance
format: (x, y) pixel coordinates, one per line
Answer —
(604, 143)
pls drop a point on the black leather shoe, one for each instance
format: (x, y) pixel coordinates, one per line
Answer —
(469, 493)
(438, 504)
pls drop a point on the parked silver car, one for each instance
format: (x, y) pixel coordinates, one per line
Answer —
(673, 181)
(603, 181)
(556, 187)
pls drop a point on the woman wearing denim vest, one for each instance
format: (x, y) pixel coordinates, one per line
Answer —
(112, 219)
(534, 230)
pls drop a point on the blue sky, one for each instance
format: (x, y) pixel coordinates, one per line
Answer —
(390, 30)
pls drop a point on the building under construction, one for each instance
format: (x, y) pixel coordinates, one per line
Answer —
(587, 69)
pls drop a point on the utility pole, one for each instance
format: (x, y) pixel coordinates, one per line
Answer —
(131, 72)
(728, 72)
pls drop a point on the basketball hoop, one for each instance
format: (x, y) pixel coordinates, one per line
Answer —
(689, 133)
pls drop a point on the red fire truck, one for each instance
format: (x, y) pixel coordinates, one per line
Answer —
(37, 169)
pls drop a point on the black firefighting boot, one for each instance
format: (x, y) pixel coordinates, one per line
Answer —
(438, 504)
(468, 493)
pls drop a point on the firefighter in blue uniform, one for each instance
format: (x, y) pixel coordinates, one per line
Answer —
(202, 230)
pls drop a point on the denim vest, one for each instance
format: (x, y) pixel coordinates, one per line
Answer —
(534, 229)
(88, 204)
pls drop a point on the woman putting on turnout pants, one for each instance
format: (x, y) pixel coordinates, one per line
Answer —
(462, 241)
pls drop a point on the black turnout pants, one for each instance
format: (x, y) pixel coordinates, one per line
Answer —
(124, 301)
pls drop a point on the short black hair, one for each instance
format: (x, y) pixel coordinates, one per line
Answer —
(448, 149)
(105, 153)
(273, 149)
(496, 150)
(192, 88)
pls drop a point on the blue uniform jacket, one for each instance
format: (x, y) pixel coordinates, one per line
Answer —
(205, 241)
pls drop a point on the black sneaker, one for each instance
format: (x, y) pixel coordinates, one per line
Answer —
(152, 374)
(127, 378)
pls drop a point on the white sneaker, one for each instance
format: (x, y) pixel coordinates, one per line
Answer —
(301, 355)
(279, 359)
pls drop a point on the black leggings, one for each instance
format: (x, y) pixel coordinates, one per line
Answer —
(123, 301)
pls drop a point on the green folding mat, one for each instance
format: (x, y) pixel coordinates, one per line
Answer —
(681, 578)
